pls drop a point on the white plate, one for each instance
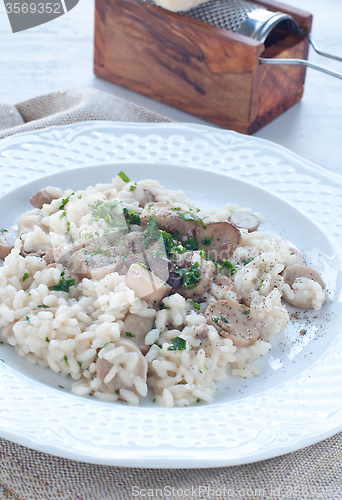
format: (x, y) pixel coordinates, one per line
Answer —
(296, 400)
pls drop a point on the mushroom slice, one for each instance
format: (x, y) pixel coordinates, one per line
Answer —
(205, 268)
(300, 259)
(226, 283)
(136, 327)
(7, 241)
(45, 196)
(245, 220)
(128, 365)
(61, 255)
(147, 197)
(219, 239)
(94, 262)
(171, 218)
(28, 225)
(294, 274)
(146, 285)
(233, 321)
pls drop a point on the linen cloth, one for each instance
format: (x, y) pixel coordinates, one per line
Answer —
(314, 472)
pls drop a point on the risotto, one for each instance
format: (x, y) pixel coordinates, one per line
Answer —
(128, 285)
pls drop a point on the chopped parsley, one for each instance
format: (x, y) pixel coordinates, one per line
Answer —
(47, 340)
(195, 305)
(247, 261)
(190, 244)
(192, 217)
(63, 285)
(215, 320)
(2, 360)
(43, 306)
(117, 391)
(124, 177)
(178, 344)
(246, 312)
(3, 230)
(61, 386)
(207, 241)
(102, 251)
(133, 187)
(131, 216)
(151, 232)
(191, 277)
(224, 320)
(228, 265)
(163, 306)
(66, 359)
(63, 215)
(27, 318)
(128, 334)
(198, 400)
(64, 202)
(26, 276)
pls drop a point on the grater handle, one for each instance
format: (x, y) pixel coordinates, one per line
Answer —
(316, 49)
(299, 62)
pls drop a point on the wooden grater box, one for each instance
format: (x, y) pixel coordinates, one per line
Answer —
(204, 70)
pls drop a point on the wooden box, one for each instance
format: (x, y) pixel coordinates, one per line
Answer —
(207, 71)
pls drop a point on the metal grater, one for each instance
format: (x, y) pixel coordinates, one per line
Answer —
(252, 20)
(242, 17)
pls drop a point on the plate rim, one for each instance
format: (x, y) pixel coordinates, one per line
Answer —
(47, 448)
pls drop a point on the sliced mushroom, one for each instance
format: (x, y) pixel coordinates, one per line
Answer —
(94, 262)
(148, 197)
(154, 257)
(300, 259)
(122, 379)
(45, 196)
(171, 218)
(233, 321)
(297, 272)
(245, 220)
(7, 241)
(28, 225)
(207, 272)
(137, 327)
(219, 239)
(146, 284)
(227, 284)
(60, 255)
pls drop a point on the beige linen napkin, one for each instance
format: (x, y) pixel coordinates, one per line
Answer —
(312, 473)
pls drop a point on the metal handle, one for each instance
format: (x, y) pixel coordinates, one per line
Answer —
(301, 62)
(316, 49)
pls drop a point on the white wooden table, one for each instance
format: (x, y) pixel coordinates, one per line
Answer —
(60, 55)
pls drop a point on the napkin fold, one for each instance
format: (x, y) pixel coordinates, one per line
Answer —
(69, 106)
(314, 472)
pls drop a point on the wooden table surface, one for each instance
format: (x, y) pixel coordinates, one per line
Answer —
(59, 55)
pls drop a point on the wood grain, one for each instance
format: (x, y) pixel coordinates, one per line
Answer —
(201, 69)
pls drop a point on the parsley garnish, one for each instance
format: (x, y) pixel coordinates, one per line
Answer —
(64, 202)
(224, 319)
(128, 334)
(63, 285)
(190, 276)
(247, 261)
(178, 344)
(26, 276)
(215, 320)
(47, 340)
(198, 400)
(151, 232)
(246, 312)
(189, 216)
(117, 391)
(27, 318)
(133, 187)
(131, 216)
(190, 244)
(43, 306)
(195, 305)
(124, 177)
(66, 359)
(163, 306)
(207, 241)
(3, 230)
